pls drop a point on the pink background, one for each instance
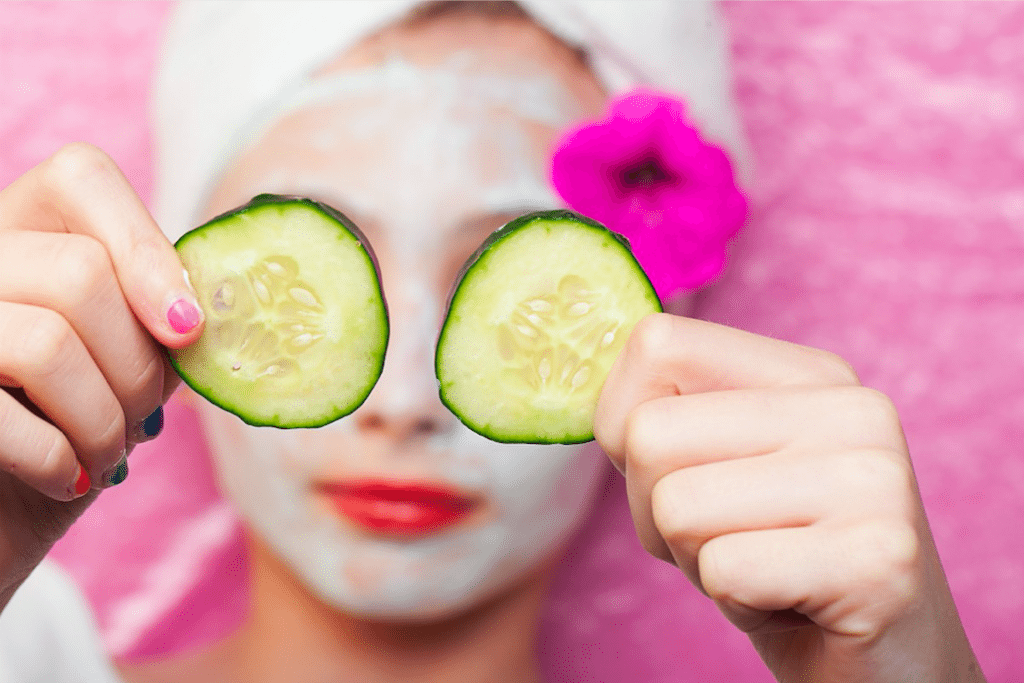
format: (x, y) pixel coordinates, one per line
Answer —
(887, 225)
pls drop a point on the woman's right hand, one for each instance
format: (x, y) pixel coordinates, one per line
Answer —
(90, 291)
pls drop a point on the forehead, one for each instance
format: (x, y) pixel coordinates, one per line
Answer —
(400, 139)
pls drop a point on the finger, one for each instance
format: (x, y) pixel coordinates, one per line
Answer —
(691, 506)
(36, 452)
(171, 381)
(668, 355)
(668, 433)
(81, 190)
(86, 293)
(850, 580)
(41, 353)
(678, 432)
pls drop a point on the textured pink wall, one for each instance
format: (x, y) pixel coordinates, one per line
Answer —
(76, 71)
(888, 226)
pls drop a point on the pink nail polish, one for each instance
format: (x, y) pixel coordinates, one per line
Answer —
(183, 316)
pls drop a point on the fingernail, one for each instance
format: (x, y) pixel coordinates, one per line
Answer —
(116, 474)
(153, 424)
(148, 428)
(82, 483)
(183, 316)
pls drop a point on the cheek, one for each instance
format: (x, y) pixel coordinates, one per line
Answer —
(528, 482)
(254, 462)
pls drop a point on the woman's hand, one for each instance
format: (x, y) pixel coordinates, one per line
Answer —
(87, 281)
(783, 489)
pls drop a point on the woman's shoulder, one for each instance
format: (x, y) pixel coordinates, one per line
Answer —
(48, 633)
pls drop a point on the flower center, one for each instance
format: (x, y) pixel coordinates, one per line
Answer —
(644, 174)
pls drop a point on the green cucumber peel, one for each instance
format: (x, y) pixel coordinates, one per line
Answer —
(537, 315)
(296, 320)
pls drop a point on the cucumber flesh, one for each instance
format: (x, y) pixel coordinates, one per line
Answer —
(296, 322)
(538, 316)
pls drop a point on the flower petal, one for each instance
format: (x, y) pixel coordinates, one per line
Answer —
(645, 172)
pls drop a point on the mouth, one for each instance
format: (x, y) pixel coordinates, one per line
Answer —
(403, 509)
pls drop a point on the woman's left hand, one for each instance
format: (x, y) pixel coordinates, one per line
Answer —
(784, 490)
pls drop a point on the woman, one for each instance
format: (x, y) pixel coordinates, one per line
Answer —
(753, 465)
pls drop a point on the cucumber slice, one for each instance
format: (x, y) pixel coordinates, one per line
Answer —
(296, 322)
(538, 315)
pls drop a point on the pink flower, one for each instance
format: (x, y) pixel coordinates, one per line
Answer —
(645, 173)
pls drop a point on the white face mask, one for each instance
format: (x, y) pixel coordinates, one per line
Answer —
(427, 162)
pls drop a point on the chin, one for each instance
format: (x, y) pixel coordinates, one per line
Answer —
(425, 580)
(427, 605)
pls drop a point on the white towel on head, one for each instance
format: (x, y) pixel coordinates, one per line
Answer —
(225, 62)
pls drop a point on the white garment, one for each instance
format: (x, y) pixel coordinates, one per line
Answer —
(226, 63)
(48, 633)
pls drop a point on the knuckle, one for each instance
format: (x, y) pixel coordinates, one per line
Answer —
(873, 406)
(75, 164)
(890, 554)
(85, 268)
(866, 416)
(651, 337)
(894, 476)
(112, 437)
(55, 461)
(834, 369)
(45, 344)
(664, 510)
(881, 478)
(147, 384)
(636, 439)
(678, 524)
(718, 577)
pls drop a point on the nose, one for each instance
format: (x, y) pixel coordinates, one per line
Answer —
(398, 427)
(405, 404)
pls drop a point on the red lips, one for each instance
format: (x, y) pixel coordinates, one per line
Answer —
(399, 508)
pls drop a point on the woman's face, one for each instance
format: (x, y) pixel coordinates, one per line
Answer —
(399, 511)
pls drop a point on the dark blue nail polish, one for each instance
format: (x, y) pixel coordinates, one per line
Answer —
(153, 424)
(116, 474)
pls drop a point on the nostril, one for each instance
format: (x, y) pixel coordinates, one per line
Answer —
(371, 422)
(399, 427)
(427, 425)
